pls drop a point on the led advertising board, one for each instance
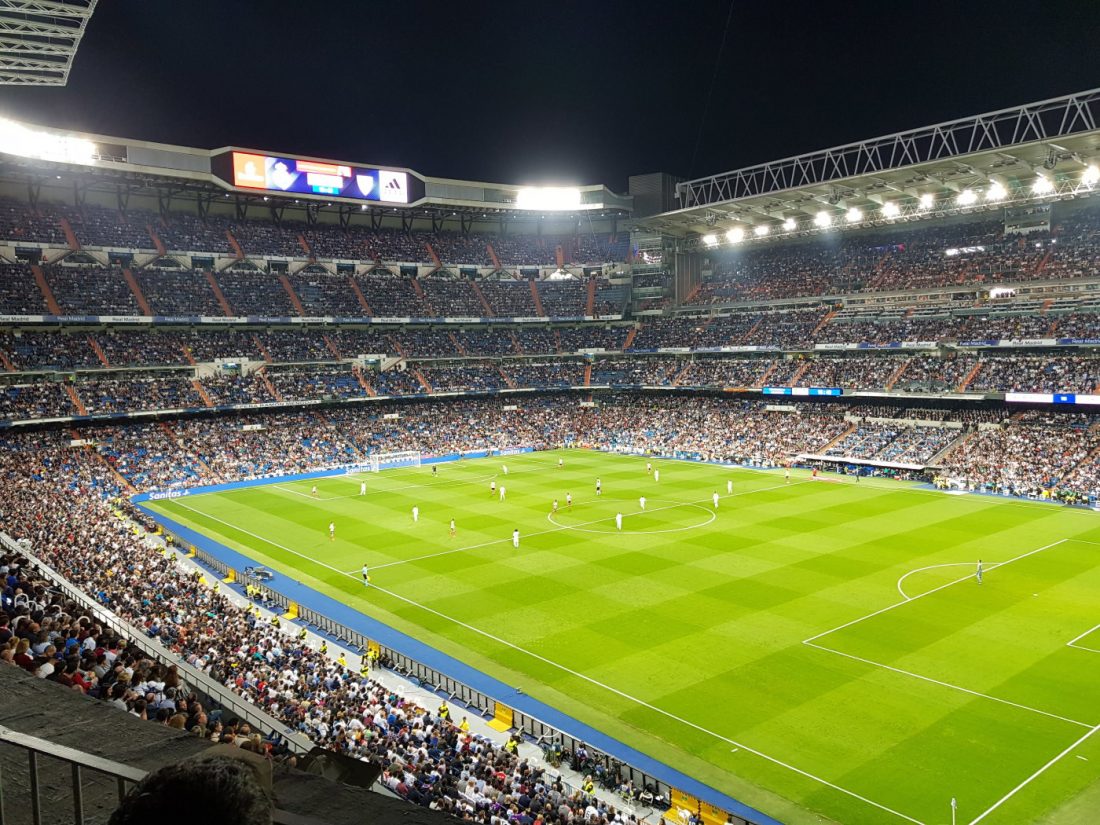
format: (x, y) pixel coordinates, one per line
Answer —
(271, 173)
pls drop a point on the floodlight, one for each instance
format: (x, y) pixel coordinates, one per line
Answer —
(1042, 185)
(710, 240)
(556, 198)
(966, 197)
(17, 139)
(761, 229)
(854, 215)
(926, 201)
(822, 219)
(789, 224)
(995, 192)
(890, 210)
(1091, 175)
(735, 235)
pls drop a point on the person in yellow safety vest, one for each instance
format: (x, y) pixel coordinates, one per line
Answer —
(364, 670)
(324, 647)
(511, 745)
(340, 660)
(444, 712)
(588, 786)
(464, 726)
(275, 621)
(302, 635)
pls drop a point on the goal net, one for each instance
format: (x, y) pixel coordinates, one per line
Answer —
(391, 461)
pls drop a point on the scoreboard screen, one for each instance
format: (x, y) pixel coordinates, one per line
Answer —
(311, 177)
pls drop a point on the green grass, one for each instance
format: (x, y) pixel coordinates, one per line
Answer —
(689, 644)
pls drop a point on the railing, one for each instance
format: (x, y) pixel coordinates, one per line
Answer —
(455, 691)
(199, 681)
(79, 762)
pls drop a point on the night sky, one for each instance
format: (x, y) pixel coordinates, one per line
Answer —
(558, 92)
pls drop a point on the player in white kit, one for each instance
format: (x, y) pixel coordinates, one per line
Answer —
(366, 576)
(515, 538)
(714, 498)
(656, 474)
(618, 521)
(504, 469)
(599, 486)
(362, 488)
(332, 531)
(729, 487)
(555, 508)
(568, 499)
(313, 491)
(493, 487)
(641, 502)
(416, 514)
(503, 491)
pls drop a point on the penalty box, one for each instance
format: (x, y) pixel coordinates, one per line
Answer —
(1004, 640)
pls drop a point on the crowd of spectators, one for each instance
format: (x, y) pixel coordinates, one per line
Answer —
(86, 291)
(178, 292)
(100, 226)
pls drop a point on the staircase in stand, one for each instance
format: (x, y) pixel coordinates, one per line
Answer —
(484, 301)
(8, 365)
(267, 383)
(302, 242)
(218, 294)
(461, 350)
(557, 341)
(44, 288)
(682, 374)
(691, 295)
(772, 367)
(744, 339)
(898, 373)
(851, 429)
(359, 296)
(507, 378)
(98, 350)
(70, 390)
(630, 336)
(419, 376)
(1045, 260)
(970, 376)
(803, 367)
(135, 290)
(295, 301)
(588, 375)
(119, 477)
(400, 350)
(590, 302)
(432, 256)
(419, 290)
(332, 347)
(234, 245)
(158, 244)
(363, 382)
(263, 350)
(538, 301)
(821, 324)
(954, 445)
(202, 393)
(70, 236)
(493, 256)
(516, 346)
(187, 356)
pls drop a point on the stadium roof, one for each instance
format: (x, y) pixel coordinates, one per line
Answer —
(39, 39)
(1049, 149)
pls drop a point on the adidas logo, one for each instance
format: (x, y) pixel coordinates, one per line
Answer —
(394, 185)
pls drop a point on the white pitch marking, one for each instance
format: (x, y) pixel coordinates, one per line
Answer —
(1034, 776)
(579, 675)
(1073, 642)
(308, 495)
(933, 567)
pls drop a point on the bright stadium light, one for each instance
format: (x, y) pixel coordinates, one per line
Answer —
(854, 215)
(822, 219)
(735, 235)
(995, 192)
(710, 240)
(1042, 185)
(548, 198)
(926, 201)
(17, 139)
(761, 229)
(967, 197)
(1091, 175)
(890, 210)
(789, 225)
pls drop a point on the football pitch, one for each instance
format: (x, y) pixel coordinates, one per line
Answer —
(820, 650)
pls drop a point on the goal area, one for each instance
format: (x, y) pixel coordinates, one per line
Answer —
(392, 461)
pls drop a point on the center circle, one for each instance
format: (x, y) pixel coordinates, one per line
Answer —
(605, 525)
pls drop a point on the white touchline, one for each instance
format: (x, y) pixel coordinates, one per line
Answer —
(1031, 778)
(286, 489)
(572, 672)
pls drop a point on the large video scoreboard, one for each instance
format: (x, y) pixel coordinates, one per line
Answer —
(278, 174)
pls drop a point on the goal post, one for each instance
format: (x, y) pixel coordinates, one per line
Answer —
(392, 461)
